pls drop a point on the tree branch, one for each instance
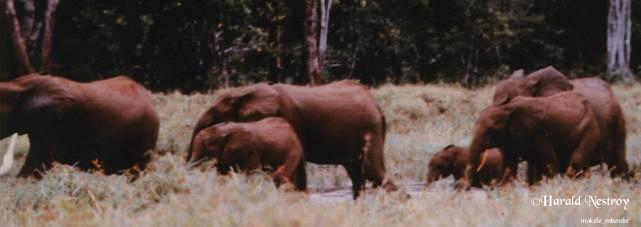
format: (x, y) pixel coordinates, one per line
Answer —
(47, 41)
(18, 42)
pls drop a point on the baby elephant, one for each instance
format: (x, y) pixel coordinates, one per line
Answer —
(252, 146)
(453, 160)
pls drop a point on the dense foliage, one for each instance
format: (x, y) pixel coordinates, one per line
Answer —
(197, 45)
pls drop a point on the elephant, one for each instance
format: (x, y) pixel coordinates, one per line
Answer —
(553, 134)
(337, 123)
(108, 124)
(248, 146)
(549, 81)
(452, 160)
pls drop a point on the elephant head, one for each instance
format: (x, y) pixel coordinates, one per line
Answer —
(496, 127)
(449, 161)
(544, 82)
(209, 143)
(226, 144)
(11, 95)
(244, 104)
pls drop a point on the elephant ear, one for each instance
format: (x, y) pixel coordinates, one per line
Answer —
(507, 89)
(518, 74)
(504, 91)
(548, 81)
(448, 146)
(500, 99)
(262, 102)
(9, 94)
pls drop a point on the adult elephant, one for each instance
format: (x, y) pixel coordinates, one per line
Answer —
(549, 81)
(109, 124)
(338, 123)
(557, 133)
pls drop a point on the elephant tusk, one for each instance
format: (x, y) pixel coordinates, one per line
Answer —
(7, 161)
(483, 160)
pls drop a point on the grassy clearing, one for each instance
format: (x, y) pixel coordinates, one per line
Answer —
(422, 119)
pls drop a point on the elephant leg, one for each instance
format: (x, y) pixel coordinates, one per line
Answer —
(580, 158)
(301, 176)
(618, 163)
(355, 172)
(476, 178)
(619, 168)
(139, 156)
(533, 174)
(35, 165)
(138, 164)
(280, 177)
(132, 161)
(287, 174)
(578, 165)
(40, 158)
(545, 162)
(511, 169)
(375, 163)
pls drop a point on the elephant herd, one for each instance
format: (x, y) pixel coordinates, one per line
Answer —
(554, 124)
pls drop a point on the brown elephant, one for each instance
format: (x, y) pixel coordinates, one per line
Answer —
(338, 123)
(109, 123)
(253, 145)
(549, 81)
(453, 160)
(556, 133)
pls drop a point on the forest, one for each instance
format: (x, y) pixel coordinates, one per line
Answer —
(202, 45)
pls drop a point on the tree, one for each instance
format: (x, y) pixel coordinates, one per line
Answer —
(47, 40)
(312, 55)
(619, 31)
(22, 58)
(25, 36)
(325, 7)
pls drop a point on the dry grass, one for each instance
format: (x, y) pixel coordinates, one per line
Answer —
(422, 119)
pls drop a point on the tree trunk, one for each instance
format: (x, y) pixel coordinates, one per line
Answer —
(22, 58)
(276, 35)
(28, 18)
(311, 42)
(619, 30)
(47, 41)
(325, 6)
(4, 44)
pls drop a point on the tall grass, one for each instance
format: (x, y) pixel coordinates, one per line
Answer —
(422, 119)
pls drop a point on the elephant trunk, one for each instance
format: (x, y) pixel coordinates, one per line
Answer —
(195, 148)
(432, 176)
(480, 143)
(7, 161)
(190, 150)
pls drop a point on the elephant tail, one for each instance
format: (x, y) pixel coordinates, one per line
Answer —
(7, 161)
(367, 144)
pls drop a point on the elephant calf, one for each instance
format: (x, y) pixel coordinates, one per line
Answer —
(253, 145)
(453, 160)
